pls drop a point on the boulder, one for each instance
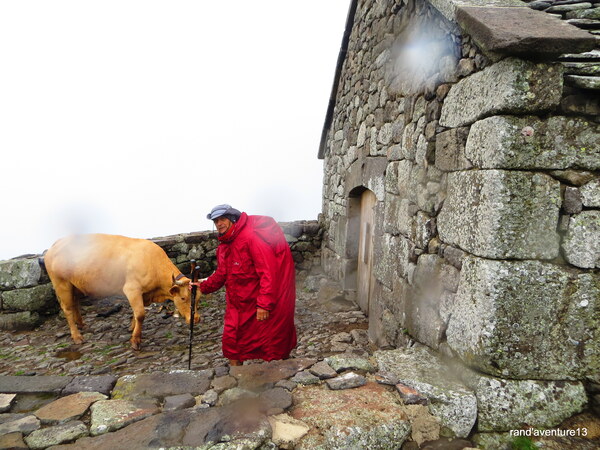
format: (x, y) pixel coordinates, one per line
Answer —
(275, 399)
(582, 243)
(422, 318)
(526, 320)
(287, 431)
(158, 385)
(235, 395)
(489, 213)
(366, 417)
(256, 376)
(39, 298)
(66, 409)
(56, 435)
(349, 380)
(220, 384)
(323, 370)
(23, 425)
(196, 428)
(590, 193)
(305, 377)
(6, 401)
(510, 86)
(111, 415)
(20, 273)
(14, 441)
(20, 321)
(91, 383)
(345, 361)
(509, 142)
(448, 398)
(180, 401)
(505, 405)
(33, 385)
(450, 150)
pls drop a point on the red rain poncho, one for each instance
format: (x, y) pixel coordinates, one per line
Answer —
(255, 264)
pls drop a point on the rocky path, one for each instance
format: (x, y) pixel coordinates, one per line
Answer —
(49, 349)
(336, 392)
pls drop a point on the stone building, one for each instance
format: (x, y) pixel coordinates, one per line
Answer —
(461, 198)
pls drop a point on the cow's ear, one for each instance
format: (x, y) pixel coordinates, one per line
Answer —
(174, 290)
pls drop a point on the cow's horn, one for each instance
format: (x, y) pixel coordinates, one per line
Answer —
(177, 280)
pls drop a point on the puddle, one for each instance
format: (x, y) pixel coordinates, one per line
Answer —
(69, 355)
(25, 403)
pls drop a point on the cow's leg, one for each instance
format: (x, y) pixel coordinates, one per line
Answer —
(70, 306)
(77, 296)
(134, 295)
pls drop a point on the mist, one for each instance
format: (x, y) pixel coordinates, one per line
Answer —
(423, 55)
(137, 117)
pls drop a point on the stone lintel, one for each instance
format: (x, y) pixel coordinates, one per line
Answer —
(367, 172)
(522, 31)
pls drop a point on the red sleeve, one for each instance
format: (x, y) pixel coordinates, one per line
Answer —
(264, 264)
(217, 279)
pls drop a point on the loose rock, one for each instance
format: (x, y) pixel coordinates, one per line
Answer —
(347, 381)
(56, 435)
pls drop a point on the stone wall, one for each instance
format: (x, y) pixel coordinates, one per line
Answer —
(26, 294)
(483, 153)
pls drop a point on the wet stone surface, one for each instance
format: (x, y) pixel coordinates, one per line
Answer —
(49, 350)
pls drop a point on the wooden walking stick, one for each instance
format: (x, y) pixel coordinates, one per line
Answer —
(194, 276)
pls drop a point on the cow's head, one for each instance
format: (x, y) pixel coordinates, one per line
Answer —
(180, 291)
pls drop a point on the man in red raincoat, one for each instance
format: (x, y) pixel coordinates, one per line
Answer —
(255, 264)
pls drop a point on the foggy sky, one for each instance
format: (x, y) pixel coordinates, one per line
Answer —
(136, 117)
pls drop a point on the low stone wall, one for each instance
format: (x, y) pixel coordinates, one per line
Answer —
(26, 294)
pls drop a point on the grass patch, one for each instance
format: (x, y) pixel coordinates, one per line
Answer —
(523, 443)
(105, 350)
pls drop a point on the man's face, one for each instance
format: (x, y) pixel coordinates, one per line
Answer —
(222, 224)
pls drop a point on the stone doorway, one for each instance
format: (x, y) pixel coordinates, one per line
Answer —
(365, 282)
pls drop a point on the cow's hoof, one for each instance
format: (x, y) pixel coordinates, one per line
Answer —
(135, 346)
(78, 340)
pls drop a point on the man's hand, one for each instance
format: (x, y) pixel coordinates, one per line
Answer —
(262, 314)
(197, 283)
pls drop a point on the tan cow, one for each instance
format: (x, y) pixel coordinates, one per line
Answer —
(99, 265)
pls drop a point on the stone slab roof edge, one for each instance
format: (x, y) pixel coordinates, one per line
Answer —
(501, 33)
(449, 8)
(522, 32)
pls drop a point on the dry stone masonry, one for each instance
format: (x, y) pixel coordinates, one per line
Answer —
(27, 297)
(476, 126)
